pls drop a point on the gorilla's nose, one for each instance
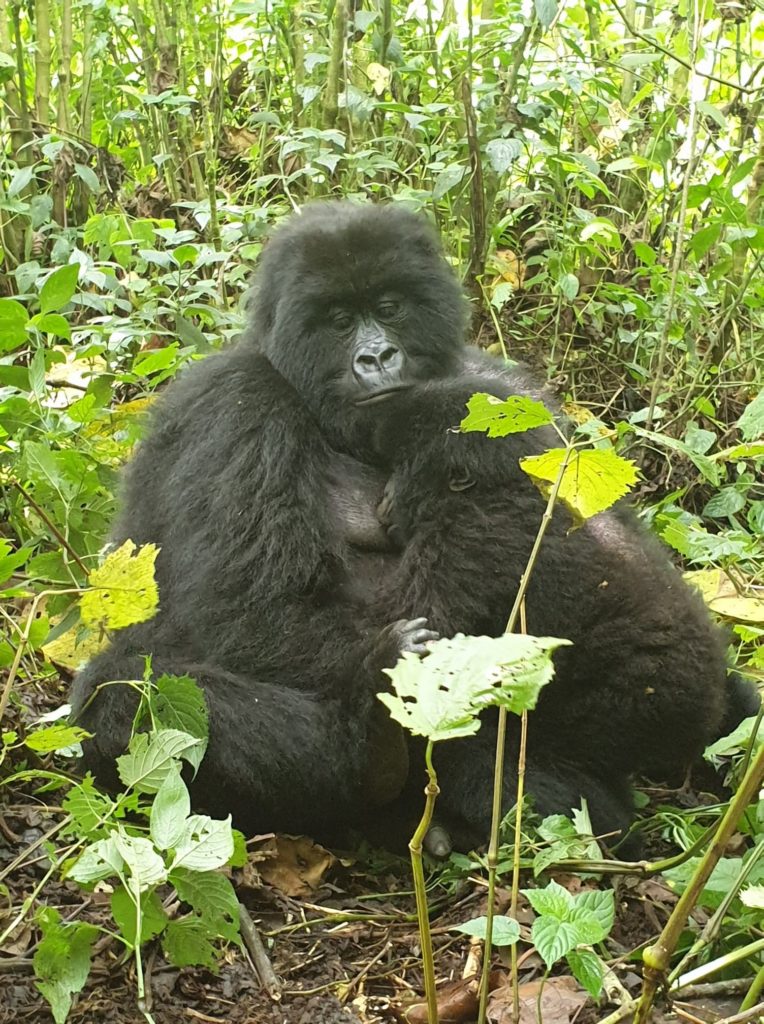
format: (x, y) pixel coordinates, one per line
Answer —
(377, 361)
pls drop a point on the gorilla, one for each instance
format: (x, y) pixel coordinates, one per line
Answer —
(316, 517)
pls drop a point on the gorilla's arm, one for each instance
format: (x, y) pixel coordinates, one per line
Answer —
(231, 483)
(467, 517)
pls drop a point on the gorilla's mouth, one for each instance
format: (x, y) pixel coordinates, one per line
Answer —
(380, 394)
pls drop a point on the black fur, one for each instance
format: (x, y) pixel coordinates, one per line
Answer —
(284, 596)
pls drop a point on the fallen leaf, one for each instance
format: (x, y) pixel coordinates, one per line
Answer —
(299, 866)
(561, 1000)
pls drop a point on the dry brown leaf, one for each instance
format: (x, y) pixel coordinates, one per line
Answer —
(561, 1000)
(457, 1003)
(298, 867)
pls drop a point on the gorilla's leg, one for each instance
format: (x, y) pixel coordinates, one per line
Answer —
(278, 757)
(465, 775)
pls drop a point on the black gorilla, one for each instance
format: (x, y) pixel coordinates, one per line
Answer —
(287, 584)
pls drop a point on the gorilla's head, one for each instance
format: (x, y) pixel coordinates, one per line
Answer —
(355, 302)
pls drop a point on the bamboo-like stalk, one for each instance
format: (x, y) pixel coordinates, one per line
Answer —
(334, 71)
(42, 61)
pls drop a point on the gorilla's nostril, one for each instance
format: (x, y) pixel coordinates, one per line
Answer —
(368, 361)
(388, 355)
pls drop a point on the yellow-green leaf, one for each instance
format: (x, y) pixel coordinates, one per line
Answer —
(592, 481)
(498, 417)
(123, 589)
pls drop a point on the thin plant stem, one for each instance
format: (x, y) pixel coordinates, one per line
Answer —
(415, 849)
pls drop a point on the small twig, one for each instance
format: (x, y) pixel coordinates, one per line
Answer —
(256, 950)
(741, 1018)
(51, 526)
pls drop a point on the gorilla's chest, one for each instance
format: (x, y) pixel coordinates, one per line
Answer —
(355, 491)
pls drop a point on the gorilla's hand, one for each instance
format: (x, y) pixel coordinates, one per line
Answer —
(396, 639)
(386, 514)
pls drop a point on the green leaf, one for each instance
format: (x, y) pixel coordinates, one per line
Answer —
(55, 737)
(88, 808)
(13, 325)
(553, 900)
(124, 911)
(123, 589)
(725, 502)
(592, 480)
(545, 11)
(505, 930)
(604, 231)
(439, 696)
(448, 179)
(89, 177)
(600, 903)
(212, 897)
(58, 288)
(569, 286)
(11, 560)
(498, 417)
(751, 423)
(52, 323)
(97, 862)
(553, 938)
(587, 969)
(149, 759)
(62, 960)
(187, 943)
(502, 153)
(206, 844)
(171, 807)
(147, 868)
(179, 703)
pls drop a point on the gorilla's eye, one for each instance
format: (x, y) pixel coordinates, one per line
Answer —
(388, 309)
(341, 320)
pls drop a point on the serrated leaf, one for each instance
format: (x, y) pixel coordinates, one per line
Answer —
(55, 737)
(725, 502)
(505, 930)
(124, 911)
(592, 480)
(498, 417)
(147, 868)
(439, 696)
(62, 960)
(751, 423)
(88, 808)
(58, 288)
(553, 938)
(753, 897)
(212, 897)
(600, 903)
(99, 861)
(149, 758)
(169, 810)
(587, 969)
(179, 703)
(552, 901)
(206, 844)
(187, 943)
(123, 589)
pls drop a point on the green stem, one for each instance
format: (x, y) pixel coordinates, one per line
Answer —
(415, 848)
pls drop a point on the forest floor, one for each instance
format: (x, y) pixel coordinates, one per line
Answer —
(338, 931)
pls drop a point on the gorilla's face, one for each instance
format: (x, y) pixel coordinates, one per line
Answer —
(355, 303)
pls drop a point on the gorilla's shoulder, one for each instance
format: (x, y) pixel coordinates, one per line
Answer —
(235, 374)
(514, 378)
